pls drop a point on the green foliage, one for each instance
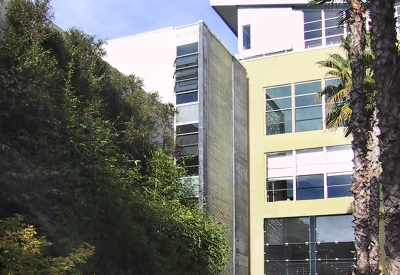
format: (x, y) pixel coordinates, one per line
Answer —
(86, 156)
(23, 253)
(337, 97)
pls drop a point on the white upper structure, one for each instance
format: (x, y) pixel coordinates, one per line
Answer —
(266, 27)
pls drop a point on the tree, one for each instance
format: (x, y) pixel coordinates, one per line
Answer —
(387, 81)
(364, 186)
(86, 156)
(23, 253)
(340, 113)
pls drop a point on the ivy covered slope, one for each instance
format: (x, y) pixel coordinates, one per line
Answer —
(80, 162)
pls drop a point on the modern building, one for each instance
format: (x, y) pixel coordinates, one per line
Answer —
(299, 172)
(190, 68)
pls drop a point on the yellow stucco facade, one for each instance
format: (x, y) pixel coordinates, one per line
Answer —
(288, 68)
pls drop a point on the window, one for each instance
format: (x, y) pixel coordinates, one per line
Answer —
(246, 37)
(308, 111)
(309, 245)
(187, 136)
(186, 61)
(278, 110)
(187, 49)
(186, 74)
(397, 15)
(309, 173)
(321, 28)
(186, 91)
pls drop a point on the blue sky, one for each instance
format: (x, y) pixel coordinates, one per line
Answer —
(107, 19)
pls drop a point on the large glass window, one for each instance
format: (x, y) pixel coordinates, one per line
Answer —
(246, 37)
(278, 110)
(309, 173)
(309, 245)
(308, 110)
(321, 28)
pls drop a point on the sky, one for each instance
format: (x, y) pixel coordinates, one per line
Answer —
(110, 19)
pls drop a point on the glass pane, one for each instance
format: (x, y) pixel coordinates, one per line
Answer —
(332, 251)
(332, 82)
(192, 170)
(189, 150)
(187, 49)
(335, 228)
(276, 104)
(279, 128)
(310, 181)
(308, 113)
(333, 31)
(335, 267)
(310, 194)
(186, 61)
(308, 125)
(188, 139)
(278, 116)
(331, 23)
(186, 73)
(313, 34)
(187, 113)
(279, 190)
(280, 195)
(334, 40)
(289, 252)
(187, 128)
(313, 26)
(277, 268)
(312, 16)
(277, 92)
(332, 14)
(246, 37)
(339, 180)
(307, 88)
(313, 43)
(186, 98)
(339, 191)
(188, 161)
(306, 100)
(186, 85)
(287, 230)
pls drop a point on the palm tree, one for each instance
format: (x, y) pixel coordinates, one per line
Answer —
(387, 81)
(365, 191)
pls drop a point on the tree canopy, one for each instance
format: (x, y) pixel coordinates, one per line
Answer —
(86, 157)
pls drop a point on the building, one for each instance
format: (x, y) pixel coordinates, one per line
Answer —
(299, 172)
(190, 67)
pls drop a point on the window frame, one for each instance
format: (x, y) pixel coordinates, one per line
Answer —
(295, 168)
(246, 33)
(324, 39)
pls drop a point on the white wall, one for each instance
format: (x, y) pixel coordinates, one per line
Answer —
(272, 30)
(150, 56)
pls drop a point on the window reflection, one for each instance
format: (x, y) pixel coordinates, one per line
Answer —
(292, 245)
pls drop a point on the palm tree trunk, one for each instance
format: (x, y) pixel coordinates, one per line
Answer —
(386, 75)
(374, 173)
(359, 126)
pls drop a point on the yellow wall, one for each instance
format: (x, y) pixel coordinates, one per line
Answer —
(271, 71)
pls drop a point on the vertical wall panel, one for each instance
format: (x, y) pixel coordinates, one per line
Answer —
(223, 119)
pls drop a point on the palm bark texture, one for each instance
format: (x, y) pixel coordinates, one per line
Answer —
(387, 78)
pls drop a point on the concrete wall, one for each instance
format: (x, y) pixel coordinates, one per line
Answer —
(223, 122)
